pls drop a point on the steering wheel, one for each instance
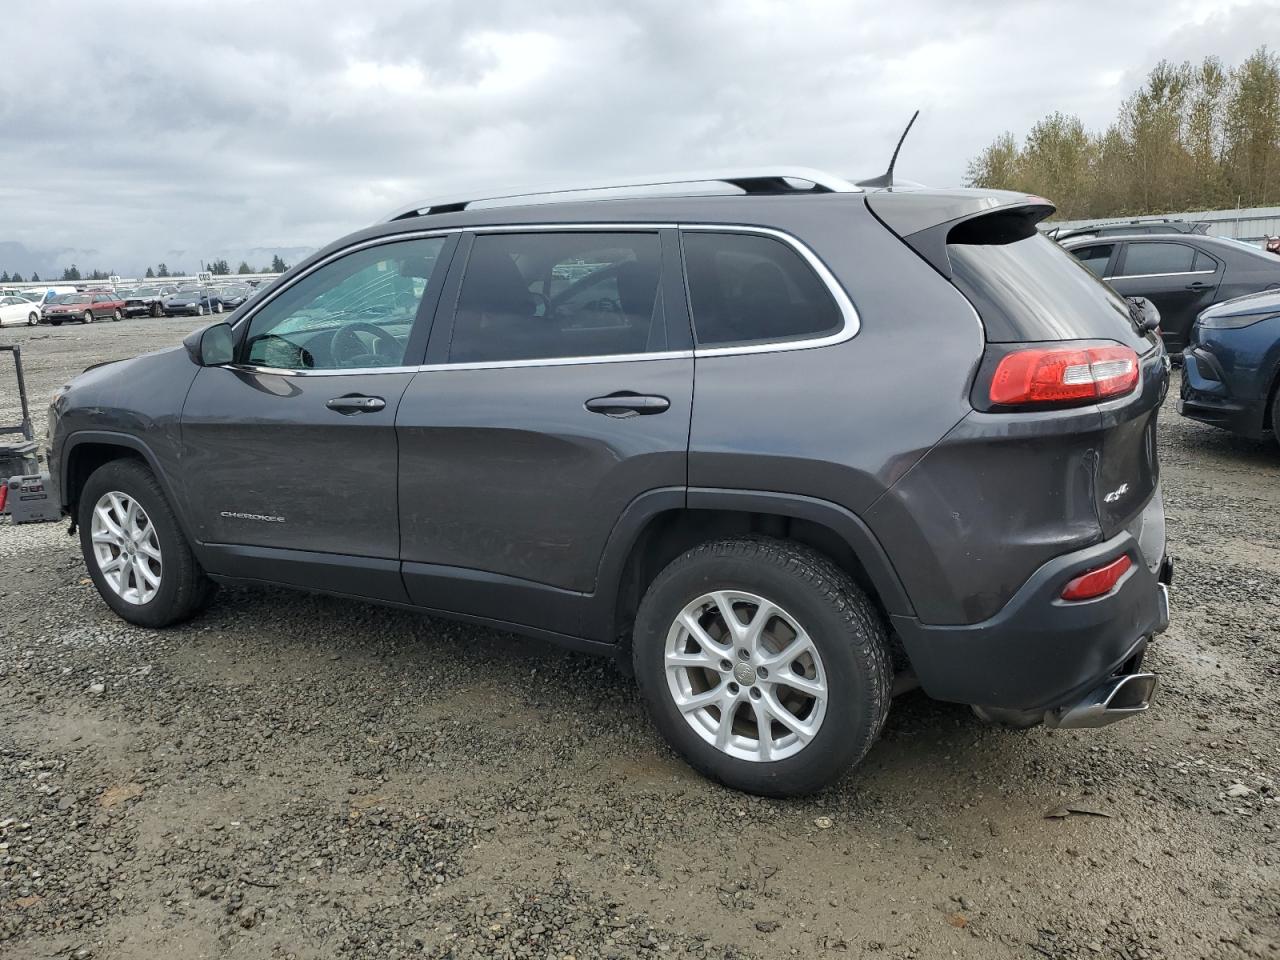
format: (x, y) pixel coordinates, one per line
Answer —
(345, 345)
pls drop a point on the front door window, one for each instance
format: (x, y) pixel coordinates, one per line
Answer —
(353, 313)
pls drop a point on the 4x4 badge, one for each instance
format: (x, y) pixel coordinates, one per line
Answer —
(1117, 493)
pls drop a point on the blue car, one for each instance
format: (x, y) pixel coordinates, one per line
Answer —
(1231, 377)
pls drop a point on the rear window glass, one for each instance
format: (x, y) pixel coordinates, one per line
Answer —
(745, 288)
(1031, 289)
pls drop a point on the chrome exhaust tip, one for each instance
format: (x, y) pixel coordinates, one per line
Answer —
(1117, 698)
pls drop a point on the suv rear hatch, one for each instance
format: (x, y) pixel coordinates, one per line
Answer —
(1068, 388)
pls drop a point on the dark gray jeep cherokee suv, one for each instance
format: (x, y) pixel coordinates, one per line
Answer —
(783, 448)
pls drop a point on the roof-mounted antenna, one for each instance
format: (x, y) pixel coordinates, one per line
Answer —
(886, 179)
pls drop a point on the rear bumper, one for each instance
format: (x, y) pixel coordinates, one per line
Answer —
(1206, 396)
(1042, 653)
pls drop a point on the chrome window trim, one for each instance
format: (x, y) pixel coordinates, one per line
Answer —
(335, 372)
(561, 361)
(1145, 276)
(849, 314)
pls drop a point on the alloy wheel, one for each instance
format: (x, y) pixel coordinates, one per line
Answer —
(126, 547)
(746, 676)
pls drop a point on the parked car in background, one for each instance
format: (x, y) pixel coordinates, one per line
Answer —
(1181, 275)
(84, 307)
(1231, 377)
(1132, 228)
(192, 301)
(16, 310)
(234, 295)
(1272, 245)
(582, 380)
(45, 294)
(143, 301)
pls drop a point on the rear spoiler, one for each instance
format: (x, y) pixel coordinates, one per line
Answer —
(927, 220)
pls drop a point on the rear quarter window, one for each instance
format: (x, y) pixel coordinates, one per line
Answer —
(1028, 289)
(747, 289)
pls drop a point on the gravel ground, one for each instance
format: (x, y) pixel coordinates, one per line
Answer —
(297, 776)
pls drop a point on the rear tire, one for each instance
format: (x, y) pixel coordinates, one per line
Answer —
(183, 588)
(115, 316)
(816, 729)
(1275, 413)
(155, 310)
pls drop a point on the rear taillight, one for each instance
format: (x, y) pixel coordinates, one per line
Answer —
(4, 494)
(1096, 582)
(1046, 375)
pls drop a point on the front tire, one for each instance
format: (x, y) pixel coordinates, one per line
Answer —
(88, 317)
(155, 310)
(33, 319)
(784, 699)
(217, 307)
(135, 550)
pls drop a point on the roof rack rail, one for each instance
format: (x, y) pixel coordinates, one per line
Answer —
(768, 180)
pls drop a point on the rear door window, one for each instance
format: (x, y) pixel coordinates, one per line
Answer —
(1144, 258)
(747, 289)
(1095, 257)
(547, 295)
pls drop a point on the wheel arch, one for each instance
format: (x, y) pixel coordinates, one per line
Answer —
(87, 450)
(661, 525)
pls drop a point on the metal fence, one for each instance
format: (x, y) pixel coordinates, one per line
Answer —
(1251, 224)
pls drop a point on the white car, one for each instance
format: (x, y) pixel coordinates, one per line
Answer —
(16, 310)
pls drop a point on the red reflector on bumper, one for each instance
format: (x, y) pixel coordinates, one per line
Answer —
(1095, 583)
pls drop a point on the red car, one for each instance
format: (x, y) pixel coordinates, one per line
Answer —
(85, 307)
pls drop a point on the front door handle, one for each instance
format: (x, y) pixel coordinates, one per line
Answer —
(354, 403)
(622, 405)
(1198, 285)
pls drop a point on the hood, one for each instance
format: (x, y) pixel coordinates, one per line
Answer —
(1263, 304)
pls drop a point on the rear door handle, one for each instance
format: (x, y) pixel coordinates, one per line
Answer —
(1198, 285)
(354, 403)
(623, 405)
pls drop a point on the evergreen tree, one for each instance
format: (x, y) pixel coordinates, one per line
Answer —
(71, 273)
(150, 274)
(278, 265)
(244, 267)
(16, 278)
(4, 277)
(35, 278)
(162, 271)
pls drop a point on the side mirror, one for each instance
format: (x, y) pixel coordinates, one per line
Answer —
(1149, 312)
(211, 346)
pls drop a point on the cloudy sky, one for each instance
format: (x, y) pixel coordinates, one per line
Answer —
(140, 131)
